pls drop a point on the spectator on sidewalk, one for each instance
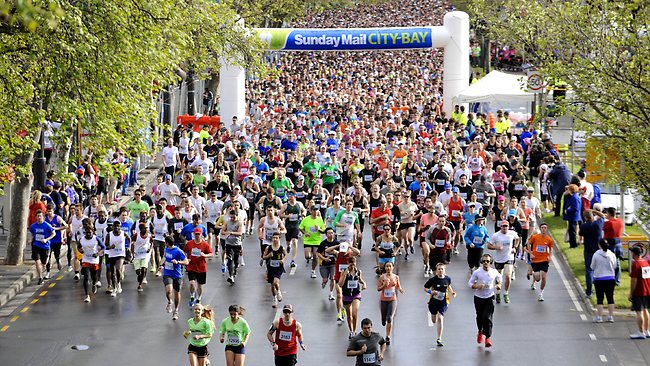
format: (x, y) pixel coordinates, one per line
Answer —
(592, 232)
(612, 232)
(559, 176)
(572, 213)
(603, 264)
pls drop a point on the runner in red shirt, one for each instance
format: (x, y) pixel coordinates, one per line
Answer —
(379, 217)
(345, 251)
(640, 292)
(288, 334)
(197, 250)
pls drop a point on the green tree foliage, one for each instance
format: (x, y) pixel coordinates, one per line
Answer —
(98, 63)
(601, 49)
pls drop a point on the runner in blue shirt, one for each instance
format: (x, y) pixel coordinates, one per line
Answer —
(476, 236)
(42, 233)
(173, 275)
(188, 230)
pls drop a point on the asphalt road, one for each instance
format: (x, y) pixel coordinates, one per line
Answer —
(135, 329)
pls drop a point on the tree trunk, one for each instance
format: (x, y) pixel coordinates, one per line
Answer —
(19, 213)
(191, 99)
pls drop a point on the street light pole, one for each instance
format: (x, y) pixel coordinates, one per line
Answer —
(39, 162)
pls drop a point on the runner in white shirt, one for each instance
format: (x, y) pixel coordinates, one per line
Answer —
(170, 157)
(505, 243)
(169, 191)
(484, 281)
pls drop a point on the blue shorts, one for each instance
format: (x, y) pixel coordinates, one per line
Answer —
(386, 260)
(437, 306)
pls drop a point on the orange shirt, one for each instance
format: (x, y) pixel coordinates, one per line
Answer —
(541, 247)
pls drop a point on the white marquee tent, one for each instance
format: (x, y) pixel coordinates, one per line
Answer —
(498, 88)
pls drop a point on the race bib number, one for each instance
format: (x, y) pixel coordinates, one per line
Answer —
(369, 358)
(40, 237)
(158, 231)
(463, 195)
(274, 263)
(423, 193)
(497, 185)
(285, 336)
(389, 292)
(386, 246)
(250, 195)
(289, 170)
(343, 267)
(367, 178)
(440, 243)
(196, 252)
(645, 273)
(477, 240)
(540, 248)
(219, 194)
(169, 266)
(455, 213)
(349, 220)
(519, 187)
(293, 217)
(141, 251)
(178, 226)
(88, 255)
(280, 192)
(438, 295)
(300, 194)
(243, 170)
(353, 284)
(409, 178)
(480, 195)
(233, 340)
(313, 229)
(441, 182)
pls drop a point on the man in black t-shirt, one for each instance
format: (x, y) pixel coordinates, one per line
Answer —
(327, 260)
(439, 288)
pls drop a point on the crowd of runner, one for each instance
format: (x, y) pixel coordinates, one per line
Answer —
(334, 145)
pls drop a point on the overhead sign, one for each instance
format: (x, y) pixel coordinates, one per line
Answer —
(535, 82)
(345, 39)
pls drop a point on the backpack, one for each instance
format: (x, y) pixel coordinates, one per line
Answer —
(597, 192)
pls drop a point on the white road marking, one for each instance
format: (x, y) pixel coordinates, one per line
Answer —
(603, 358)
(592, 336)
(583, 317)
(567, 285)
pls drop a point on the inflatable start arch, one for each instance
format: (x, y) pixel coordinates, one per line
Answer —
(453, 36)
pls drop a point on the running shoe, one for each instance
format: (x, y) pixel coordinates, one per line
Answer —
(144, 281)
(456, 252)
(175, 315)
(191, 303)
(87, 299)
(293, 263)
(113, 293)
(169, 307)
(288, 249)
(313, 274)
(439, 342)
(498, 298)
(241, 263)
(540, 297)
(387, 340)
(76, 276)
(119, 288)
(323, 284)
(109, 289)
(274, 302)
(307, 259)
(279, 295)
(513, 274)
(528, 276)
(339, 320)
(647, 334)
(506, 298)
(40, 281)
(98, 284)
(47, 275)
(140, 289)
(343, 313)
(638, 335)
(159, 273)
(479, 338)
(610, 319)
(598, 319)
(532, 286)
(70, 268)
(331, 297)
(229, 279)
(94, 288)
(223, 268)
(412, 250)
(488, 343)
(406, 256)
(261, 262)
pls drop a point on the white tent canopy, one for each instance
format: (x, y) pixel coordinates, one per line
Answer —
(496, 88)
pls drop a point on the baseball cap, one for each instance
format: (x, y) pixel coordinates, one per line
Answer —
(287, 307)
(501, 198)
(530, 189)
(636, 250)
(168, 177)
(447, 186)
(455, 190)
(197, 230)
(479, 217)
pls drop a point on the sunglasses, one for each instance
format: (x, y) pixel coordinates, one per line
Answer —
(286, 311)
(485, 261)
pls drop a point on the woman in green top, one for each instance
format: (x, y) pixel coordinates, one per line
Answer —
(234, 330)
(201, 328)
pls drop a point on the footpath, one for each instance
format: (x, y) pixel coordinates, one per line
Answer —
(15, 281)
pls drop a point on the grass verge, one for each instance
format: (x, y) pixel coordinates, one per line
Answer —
(575, 258)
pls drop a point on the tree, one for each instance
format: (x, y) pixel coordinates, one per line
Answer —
(601, 50)
(95, 64)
